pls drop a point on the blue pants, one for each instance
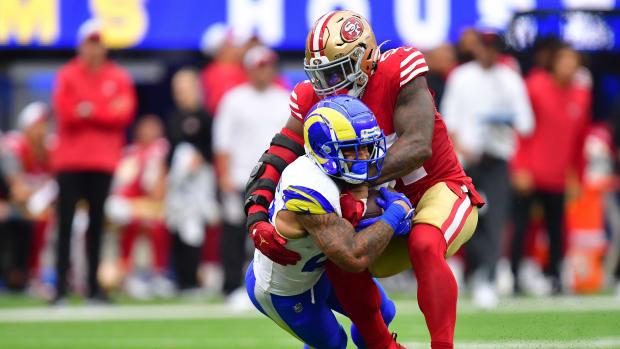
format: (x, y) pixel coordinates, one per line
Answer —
(308, 316)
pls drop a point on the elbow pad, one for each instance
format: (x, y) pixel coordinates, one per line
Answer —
(285, 147)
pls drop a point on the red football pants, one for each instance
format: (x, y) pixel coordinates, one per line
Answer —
(158, 236)
(437, 292)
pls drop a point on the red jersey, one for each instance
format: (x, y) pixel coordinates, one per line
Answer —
(562, 116)
(139, 168)
(34, 168)
(91, 143)
(395, 69)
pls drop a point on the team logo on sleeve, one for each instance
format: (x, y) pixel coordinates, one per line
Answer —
(351, 29)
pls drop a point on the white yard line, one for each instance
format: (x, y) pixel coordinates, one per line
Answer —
(221, 311)
(610, 342)
(123, 312)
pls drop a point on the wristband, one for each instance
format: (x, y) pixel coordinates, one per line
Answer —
(394, 215)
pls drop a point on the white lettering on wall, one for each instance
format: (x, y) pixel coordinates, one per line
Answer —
(265, 18)
(425, 31)
(316, 8)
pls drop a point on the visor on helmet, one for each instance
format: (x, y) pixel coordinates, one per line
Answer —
(338, 75)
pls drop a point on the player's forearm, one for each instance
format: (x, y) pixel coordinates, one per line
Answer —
(368, 244)
(337, 239)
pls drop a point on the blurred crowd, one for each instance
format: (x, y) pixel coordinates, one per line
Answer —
(169, 200)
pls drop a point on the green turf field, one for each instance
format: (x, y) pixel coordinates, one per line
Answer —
(567, 322)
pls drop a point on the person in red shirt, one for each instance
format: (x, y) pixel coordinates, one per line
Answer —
(420, 162)
(94, 102)
(24, 163)
(549, 162)
(136, 204)
(225, 70)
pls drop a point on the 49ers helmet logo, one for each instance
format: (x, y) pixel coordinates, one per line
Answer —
(351, 30)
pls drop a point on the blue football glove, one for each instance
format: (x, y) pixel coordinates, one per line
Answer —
(389, 197)
(394, 214)
(404, 227)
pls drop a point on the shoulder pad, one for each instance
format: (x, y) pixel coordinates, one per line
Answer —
(407, 62)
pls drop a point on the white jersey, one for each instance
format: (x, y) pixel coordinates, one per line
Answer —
(303, 188)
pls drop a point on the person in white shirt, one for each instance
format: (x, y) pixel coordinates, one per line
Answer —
(485, 105)
(245, 122)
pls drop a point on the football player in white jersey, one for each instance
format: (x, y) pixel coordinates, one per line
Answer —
(343, 144)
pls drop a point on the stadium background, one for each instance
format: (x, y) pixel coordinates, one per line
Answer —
(153, 39)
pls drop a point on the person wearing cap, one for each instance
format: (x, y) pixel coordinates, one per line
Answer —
(94, 102)
(247, 118)
(226, 47)
(485, 106)
(549, 164)
(24, 164)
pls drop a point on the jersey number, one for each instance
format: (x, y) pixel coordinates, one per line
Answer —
(314, 263)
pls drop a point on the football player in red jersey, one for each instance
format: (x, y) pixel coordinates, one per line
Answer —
(342, 56)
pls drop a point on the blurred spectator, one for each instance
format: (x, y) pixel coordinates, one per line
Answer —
(466, 45)
(94, 102)
(136, 204)
(31, 191)
(191, 178)
(616, 141)
(247, 118)
(542, 51)
(549, 162)
(484, 104)
(189, 122)
(226, 48)
(441, 60)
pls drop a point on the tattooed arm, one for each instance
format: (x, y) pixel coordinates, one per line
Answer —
(337, 238)
(414, 121)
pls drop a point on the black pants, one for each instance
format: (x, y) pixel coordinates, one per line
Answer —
(232, 254)
(553, 206)
(490, 177)
(617, 271)
(73, 186)
(186, 260)
(15, 236)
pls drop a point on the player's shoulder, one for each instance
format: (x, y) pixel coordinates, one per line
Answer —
(404, 63)
(302, 98)
(305, 188)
